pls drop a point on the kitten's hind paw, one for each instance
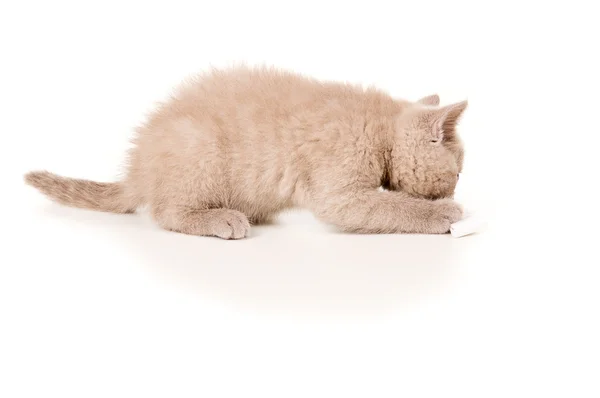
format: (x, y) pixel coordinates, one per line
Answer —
(228, 224)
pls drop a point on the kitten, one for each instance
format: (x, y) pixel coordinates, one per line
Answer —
(234, 147)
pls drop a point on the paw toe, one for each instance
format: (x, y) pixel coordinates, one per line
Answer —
(232, 225)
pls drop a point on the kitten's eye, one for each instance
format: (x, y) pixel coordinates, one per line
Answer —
(434, 141)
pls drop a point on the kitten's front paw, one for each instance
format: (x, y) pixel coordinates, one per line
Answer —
(444, 213)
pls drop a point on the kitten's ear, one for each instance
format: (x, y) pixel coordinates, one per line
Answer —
(446, 119)
(430, 100)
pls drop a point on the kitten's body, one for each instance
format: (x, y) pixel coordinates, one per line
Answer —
(240, 145)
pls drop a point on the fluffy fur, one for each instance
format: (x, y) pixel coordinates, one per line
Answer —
(234, 147)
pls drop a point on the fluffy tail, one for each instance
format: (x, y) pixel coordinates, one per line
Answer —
(108, 197)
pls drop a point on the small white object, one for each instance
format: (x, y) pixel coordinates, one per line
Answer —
(467, 226)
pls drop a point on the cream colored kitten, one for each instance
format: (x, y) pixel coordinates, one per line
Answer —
(235, 147)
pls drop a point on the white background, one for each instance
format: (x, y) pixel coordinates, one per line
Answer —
(101, 305)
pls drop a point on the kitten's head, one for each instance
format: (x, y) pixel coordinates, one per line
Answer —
(427, 156)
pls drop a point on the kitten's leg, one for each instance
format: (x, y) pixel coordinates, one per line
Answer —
(372, 211)
(222, 223)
